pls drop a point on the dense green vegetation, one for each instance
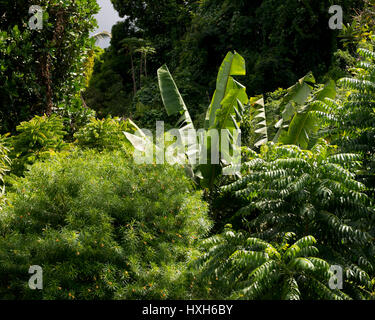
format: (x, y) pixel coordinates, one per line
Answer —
(75, 200)
(43, 70)
(192, 37)
(101, 228)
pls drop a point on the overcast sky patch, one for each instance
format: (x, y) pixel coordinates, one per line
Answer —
(106, 18)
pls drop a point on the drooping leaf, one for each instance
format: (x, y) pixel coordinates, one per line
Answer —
(174, 104)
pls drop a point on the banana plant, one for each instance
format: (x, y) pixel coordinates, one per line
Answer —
(299, 119)
(296, 96)
(305, 121)
(224, 115)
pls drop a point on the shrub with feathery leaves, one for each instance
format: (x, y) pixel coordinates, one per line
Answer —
(103, 134)
(101, 227)
(356, 119)
(239, 266)
(37, 139)
(311, 193)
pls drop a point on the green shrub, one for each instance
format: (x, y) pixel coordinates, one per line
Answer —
(355, 121)
(103, 134)
(287, 189)
(239, 266)
(148, 106)
(75, 116)
(44, 69)
(37, 139)
(101, 227)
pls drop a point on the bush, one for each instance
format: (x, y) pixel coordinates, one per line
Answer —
(311, 193)
(37, 139)
(102, 134)
(242, 267)
(101, 227)
(42, 69)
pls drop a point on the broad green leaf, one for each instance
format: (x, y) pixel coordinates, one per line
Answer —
(171, 97)
(174, 104)
(328, 91)
(232, 65)
(298, 94)
(302, 264)
(305, 123)
(138, 143)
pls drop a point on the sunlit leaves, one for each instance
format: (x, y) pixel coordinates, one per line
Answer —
(308, 192)
(251, 268)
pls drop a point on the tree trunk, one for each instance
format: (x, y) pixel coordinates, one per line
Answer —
(46, 61)
(46, 76)
(140, 71)
(83, 100)
(133, 75)
(146, 65)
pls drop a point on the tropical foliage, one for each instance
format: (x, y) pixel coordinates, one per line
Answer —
(100, 229)
(260, 189)
(223, 114)
(357, 115)
(242, 267)
(192, 37)
(30, 59)
(103, 134)
(37, 139)
(311, 193)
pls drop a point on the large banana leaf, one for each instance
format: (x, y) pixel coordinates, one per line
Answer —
(305, 122)
(233, 65)
(140, 141)
(296, 96)
(224, 115)
(227, 121)
(170, 94)
(328, 91)
(174, 104)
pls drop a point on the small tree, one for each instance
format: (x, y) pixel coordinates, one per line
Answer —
(43, 69)
(314, 193)
(130, 46)
(145, 51)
